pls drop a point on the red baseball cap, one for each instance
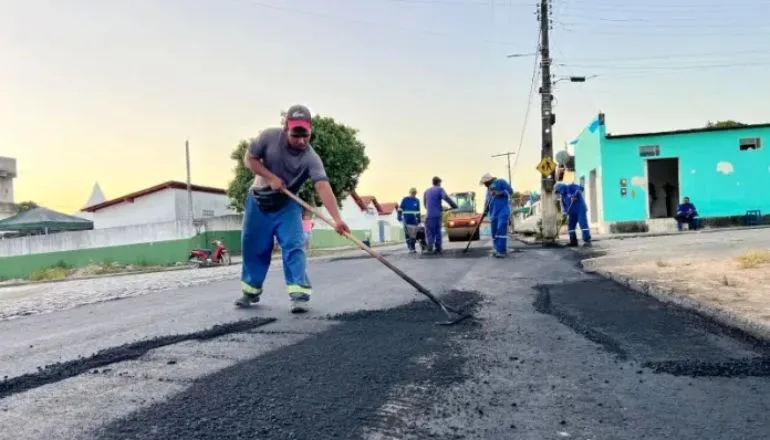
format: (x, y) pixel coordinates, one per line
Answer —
(298, 116)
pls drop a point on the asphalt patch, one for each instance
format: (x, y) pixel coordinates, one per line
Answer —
(64, 370)
(335, 384)
(662, 337)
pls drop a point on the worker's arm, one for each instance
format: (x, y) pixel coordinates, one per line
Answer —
(317, 174)
(325, 193)
(253, 161)
(448, 199)
(508, 189)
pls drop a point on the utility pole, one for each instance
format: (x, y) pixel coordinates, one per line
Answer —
(189, 183)
(550, 225)
(508, 158)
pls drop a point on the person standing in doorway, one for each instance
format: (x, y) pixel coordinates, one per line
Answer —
(432, 199)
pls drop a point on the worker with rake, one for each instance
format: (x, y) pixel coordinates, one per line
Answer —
(282, 159)
(575, 208)
(498, 206)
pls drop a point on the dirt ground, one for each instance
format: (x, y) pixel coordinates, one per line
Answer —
(739, 285)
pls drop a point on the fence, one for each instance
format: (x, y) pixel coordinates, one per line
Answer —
(150, 244)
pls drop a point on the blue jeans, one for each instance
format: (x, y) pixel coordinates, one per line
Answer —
(692, 222)
(259, 231)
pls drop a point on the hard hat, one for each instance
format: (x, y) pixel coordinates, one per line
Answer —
(412, 190)
(486, 178)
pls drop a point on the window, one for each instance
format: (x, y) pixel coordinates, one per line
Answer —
(649, 150)
(208, 213)
(747, 144)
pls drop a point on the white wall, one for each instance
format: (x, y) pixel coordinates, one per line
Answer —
(158, 207)
(163, 206)
(205, 205)
(352, 214)
(98, 238)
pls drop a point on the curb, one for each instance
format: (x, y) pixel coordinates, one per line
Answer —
(173, 269)
(669, 296)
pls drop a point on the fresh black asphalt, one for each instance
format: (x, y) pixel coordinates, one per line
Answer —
(329, 386)
(552, 353)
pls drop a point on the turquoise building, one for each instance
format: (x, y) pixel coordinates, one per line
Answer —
(644, 176)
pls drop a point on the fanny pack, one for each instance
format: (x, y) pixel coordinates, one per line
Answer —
(269, 200)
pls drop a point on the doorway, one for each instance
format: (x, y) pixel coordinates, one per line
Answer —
(662, 187)
(592, 198)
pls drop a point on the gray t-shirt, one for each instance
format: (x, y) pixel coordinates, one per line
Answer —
(293, 166)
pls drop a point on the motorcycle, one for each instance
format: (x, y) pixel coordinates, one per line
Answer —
(219, 256)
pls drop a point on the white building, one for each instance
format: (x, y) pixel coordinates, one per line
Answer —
(7, 174)
(166, 202)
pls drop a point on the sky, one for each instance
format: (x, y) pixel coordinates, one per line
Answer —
(108, 91)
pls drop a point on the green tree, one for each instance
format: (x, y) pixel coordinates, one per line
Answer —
(342, 153)
(26, 206)
(725, 124)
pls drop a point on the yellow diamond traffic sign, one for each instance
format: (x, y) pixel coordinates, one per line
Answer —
(546, 166)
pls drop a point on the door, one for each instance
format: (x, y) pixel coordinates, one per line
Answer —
(593, 200)
(382, 231)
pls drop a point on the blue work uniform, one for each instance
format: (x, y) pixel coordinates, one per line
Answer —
(409, 215)
(498, 206)
(686, 213)
(271, 215)
(432, 200)
(574, 206)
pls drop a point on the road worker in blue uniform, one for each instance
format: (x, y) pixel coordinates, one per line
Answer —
(281, 158)
(409, 215)
(574, 207)
(498, 206)
(432, 199)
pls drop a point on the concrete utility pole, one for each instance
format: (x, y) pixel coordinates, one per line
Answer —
(189, 183)
(508, 158)
(550, 225)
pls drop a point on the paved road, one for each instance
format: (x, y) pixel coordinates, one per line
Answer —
(553, 353)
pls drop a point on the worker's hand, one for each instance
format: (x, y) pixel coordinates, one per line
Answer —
(341, 227)
(276, 183)
(493, 192)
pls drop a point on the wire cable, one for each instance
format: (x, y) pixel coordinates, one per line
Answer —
(532, 85)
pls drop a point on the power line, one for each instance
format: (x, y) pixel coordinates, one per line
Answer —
(613, 59)
(368, 23)
(532, 86)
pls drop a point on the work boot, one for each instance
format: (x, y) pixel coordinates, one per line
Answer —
(498, 255)
(587, 244)
(247, 300)
(299, 302)
(573, 244)
(412, 251)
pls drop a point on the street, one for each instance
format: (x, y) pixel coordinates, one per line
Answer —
(553, 352)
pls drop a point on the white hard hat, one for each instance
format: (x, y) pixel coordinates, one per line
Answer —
(486, 178)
